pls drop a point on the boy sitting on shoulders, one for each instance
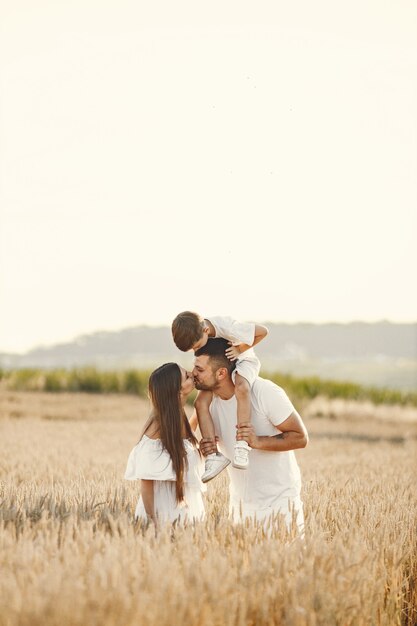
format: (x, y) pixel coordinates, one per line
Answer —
(190, 332)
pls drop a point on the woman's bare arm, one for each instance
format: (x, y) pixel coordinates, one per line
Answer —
(148, 499)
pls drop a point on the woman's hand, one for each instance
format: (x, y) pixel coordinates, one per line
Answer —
(233, 352)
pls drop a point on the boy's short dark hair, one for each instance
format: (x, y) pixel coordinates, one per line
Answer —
(216, 348)
(187, 329)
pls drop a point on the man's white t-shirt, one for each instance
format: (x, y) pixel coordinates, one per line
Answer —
(272, 478)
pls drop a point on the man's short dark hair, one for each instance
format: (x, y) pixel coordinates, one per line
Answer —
(216, 348)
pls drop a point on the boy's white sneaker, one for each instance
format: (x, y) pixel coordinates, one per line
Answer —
(215, 463)
(241, 455)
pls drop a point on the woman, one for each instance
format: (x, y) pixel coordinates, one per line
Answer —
(166, 459)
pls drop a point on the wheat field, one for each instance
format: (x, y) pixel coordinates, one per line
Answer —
(71, 553)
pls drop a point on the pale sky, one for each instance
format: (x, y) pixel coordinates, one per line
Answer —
(251, 159)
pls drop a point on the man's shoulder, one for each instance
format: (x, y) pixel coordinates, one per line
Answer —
(271, 401)
(267, 395)
(264, 385)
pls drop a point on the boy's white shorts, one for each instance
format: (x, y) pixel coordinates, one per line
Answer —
(248, 365)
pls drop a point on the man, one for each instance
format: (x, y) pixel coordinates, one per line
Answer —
(272, 483)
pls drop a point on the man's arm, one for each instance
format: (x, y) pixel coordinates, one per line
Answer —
(293, 436)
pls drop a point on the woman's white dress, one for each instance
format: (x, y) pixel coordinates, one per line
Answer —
(149, 461)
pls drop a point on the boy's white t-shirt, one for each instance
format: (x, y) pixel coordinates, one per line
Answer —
(237, 332)
(272, 478)
(248, 364)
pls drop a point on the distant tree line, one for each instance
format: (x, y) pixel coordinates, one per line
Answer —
(135, 382)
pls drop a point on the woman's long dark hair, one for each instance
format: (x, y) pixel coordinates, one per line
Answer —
(170, 417)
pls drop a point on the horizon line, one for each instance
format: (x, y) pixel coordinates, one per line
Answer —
(45, 346)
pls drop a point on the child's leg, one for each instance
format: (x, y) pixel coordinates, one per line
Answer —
(205, 422)
(243, 399)
(215, 462)
(242, 393)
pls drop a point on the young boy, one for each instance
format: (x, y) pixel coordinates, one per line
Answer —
(190, 332)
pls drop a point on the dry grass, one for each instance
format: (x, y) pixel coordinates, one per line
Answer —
(71, 554)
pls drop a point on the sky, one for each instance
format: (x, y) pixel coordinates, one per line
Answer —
(254, 160)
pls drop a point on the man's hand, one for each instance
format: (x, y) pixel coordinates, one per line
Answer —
(292, 435)
(246, 432)
(233, 352)
(208, 446)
